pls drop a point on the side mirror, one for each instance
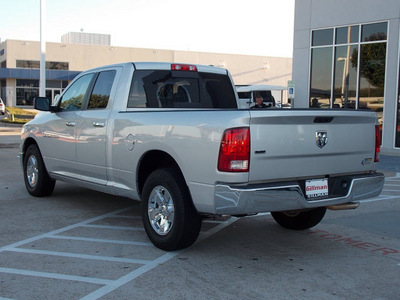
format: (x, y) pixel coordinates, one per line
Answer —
(43, 104)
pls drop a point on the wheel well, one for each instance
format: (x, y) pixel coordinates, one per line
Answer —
(27, 143)
(152, 161)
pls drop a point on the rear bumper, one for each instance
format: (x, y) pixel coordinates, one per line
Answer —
(237, 200)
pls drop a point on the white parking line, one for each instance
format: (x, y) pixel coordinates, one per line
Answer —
(54, 232)
(129, 277)
(76, 238)
(126, 217)
(55, 276)
(83, 256)
(113, 227)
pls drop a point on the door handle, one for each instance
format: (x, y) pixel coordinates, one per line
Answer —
(70, 123)
(98, 124)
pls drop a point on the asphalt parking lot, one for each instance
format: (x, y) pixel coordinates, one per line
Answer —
(81, 244)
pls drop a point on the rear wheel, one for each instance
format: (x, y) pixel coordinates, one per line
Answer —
(169, 217)
(299, 220)
(37, 180)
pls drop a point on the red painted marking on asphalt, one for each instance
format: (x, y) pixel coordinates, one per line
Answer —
(371, 247)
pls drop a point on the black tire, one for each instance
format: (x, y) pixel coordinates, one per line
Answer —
(169, 217)
(299, 220)
(37, 180)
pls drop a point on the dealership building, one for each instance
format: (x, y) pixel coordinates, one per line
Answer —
(19, 64)
(346, 54)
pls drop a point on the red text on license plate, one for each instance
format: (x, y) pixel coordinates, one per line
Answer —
(316, 188)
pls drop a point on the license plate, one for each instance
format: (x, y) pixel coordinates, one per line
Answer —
(316, 188)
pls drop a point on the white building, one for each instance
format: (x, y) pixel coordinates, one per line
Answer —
(19, 66)
(346, 54)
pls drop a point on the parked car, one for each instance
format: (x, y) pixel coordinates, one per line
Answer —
(2, 107)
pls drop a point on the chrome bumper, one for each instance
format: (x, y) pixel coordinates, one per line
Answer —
(238, 200)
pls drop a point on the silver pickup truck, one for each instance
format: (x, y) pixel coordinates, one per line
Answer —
(171, 135)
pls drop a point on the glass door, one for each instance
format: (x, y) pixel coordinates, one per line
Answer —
(51, 93)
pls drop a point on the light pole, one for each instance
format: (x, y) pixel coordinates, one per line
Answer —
(42, 81)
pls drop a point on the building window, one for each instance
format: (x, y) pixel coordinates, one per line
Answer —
(321, 61)
(345, 82)
(35, 64)
(322, 37)
(28, 89)
(348, 67)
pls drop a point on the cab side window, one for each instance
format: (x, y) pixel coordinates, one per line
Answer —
(74, 96)
(244, 95)
(102, 90)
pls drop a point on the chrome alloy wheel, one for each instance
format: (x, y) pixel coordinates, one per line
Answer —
(32, 171)
(161, 210)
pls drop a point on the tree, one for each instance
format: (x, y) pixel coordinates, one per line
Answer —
(372, 62)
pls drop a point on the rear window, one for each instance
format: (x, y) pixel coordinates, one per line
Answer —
(180, 89)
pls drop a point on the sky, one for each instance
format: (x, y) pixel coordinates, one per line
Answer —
(252, 27)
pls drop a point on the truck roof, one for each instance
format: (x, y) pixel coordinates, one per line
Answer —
(167, 66)
(259, 87)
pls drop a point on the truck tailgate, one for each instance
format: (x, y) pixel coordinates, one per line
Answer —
(288, 144)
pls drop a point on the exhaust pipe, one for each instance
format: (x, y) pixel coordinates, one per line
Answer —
(344, 206)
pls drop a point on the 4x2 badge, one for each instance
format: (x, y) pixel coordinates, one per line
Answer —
(321, 138)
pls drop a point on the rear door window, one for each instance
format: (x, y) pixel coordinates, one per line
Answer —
(102, 89)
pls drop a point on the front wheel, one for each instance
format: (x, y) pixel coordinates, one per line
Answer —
(37, 180)
(299, 220)
(169, 217)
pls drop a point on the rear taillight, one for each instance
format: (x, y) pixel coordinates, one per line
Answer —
(377, 142)
(182, 67)
(234, 153)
